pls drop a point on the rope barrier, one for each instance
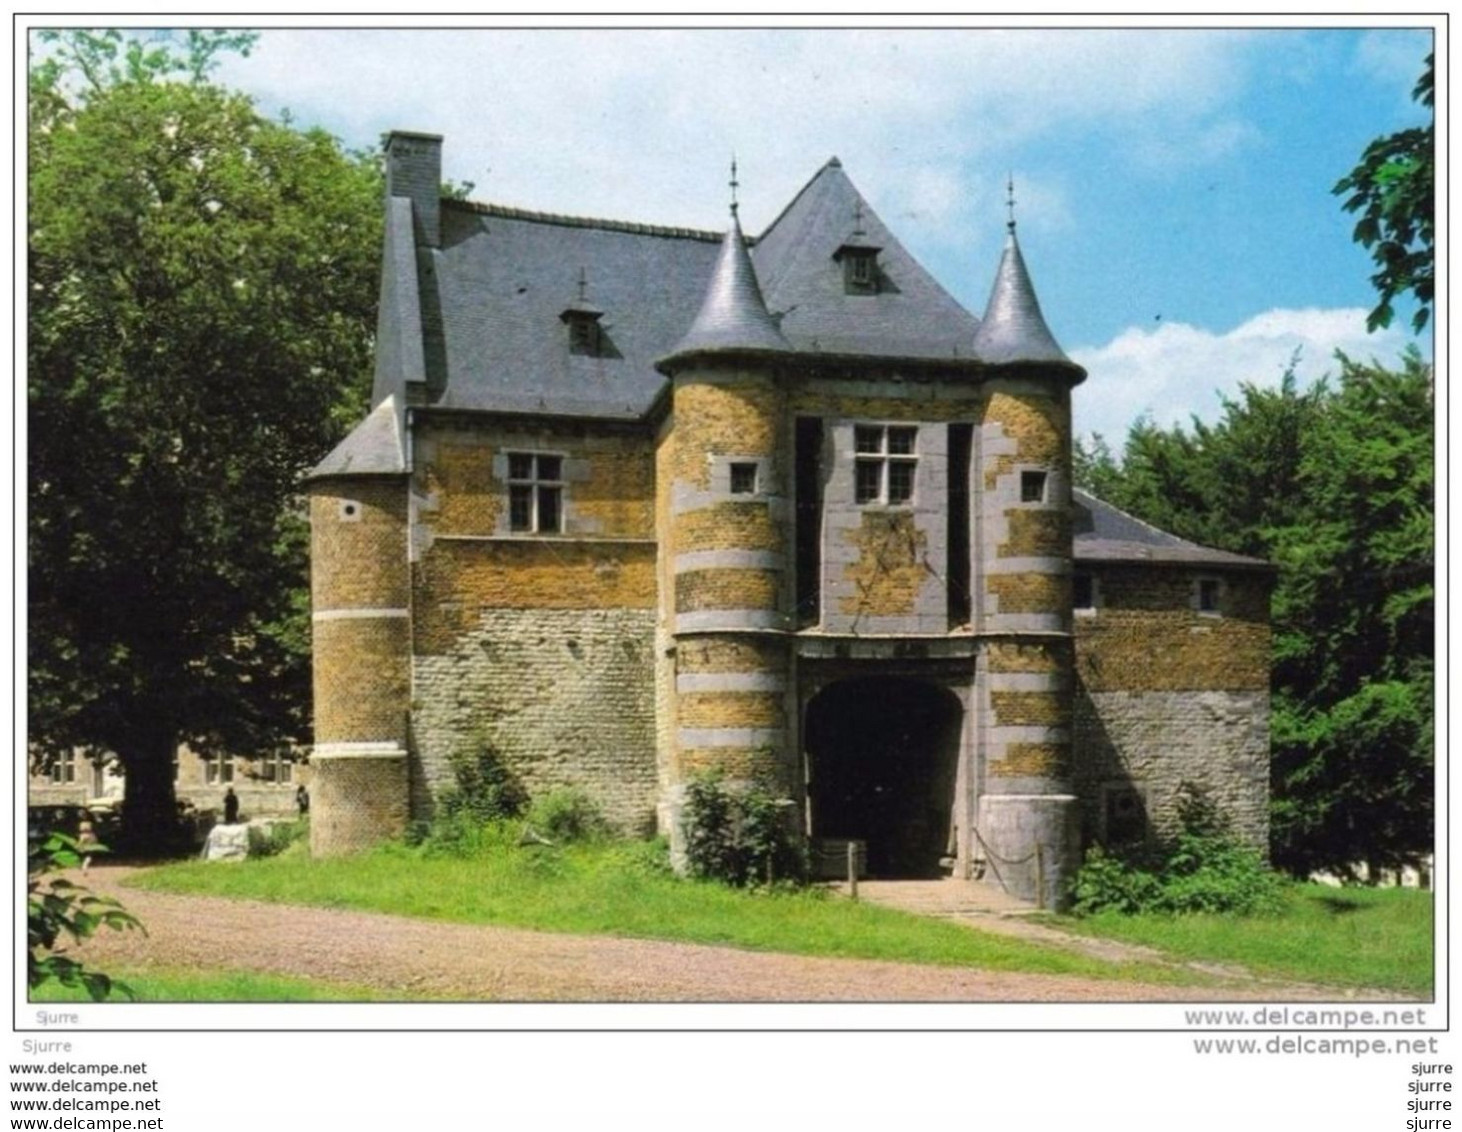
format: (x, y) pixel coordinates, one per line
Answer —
(992, 855)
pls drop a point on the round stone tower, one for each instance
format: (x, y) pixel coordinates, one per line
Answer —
(1028, 818)
(725, 489)
(360, 591)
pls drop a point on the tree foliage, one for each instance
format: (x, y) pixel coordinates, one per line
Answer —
(201, 302)
(58, 910)
(1335, 485)
(1392, 190)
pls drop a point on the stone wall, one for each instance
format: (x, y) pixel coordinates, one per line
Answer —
(883, 564)
(1168, 695)
(564, 697)
(357, 800)
(539, 646)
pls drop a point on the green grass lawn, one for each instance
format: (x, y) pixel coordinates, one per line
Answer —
(615, 890)
(160, 985)
(1340, 937)
(1365, 937)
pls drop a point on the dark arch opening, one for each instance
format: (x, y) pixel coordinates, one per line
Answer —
(883, 753)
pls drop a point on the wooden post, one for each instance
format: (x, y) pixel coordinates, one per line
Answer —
(1040, 877)
(853, 869)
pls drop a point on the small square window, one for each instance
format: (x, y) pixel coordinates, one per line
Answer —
(1032, 487)
(520, 465)
(550, 467)
(1209, 594)
(866, 438)
(743, 479)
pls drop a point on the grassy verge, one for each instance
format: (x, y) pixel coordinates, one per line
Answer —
(161, 985)
(615, 889)
(1378, 938)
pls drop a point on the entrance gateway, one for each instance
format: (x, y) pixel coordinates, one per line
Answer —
(883, 764)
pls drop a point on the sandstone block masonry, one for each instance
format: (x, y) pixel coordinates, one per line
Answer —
(1170, 696)
(564, 697)
(536, 644)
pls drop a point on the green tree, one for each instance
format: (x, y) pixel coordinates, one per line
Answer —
(1354, 629)
(1392, 188)
(1335, 486)
(200, 309)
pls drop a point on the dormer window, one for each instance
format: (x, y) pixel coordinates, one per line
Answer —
(860, 269)
(581, 317)
(859, 258)
(583, 333)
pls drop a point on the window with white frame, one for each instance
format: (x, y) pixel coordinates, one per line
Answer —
(535, 492)
(64, 768)
(884, 461)
(218, 769)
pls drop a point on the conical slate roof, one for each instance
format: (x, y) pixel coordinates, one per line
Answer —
(373, 447)
(733, 315)
(1013, 329)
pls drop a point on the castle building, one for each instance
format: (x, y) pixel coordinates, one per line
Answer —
(638, 503)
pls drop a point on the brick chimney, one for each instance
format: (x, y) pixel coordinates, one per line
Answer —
(414, 170)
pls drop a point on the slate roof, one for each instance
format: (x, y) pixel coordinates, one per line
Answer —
(733, 315)
(1103, 533)
(480, 314)
(502, 278)
(1013, 329)
(910, 316)
(372, 448)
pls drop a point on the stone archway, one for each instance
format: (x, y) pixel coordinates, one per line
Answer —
(883, 755)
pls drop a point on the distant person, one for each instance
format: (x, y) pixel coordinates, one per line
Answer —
(86, 841)
(302, 799)
(230, 807)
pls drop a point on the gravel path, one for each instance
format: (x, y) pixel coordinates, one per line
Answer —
(433, 960)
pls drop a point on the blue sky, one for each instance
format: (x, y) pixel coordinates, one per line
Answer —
(1172, 186)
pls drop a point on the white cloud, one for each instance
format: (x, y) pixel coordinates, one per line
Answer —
(641, 124)
(1393, 56)
(1176, 372)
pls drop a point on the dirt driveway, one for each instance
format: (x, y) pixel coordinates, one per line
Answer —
(463, 962)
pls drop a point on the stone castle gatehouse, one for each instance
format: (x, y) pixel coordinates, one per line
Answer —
(635, 503)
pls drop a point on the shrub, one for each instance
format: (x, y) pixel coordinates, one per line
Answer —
(567, 815)
(1205, 868)
(483, 792)
(483, 788)
(646, 858)
(273, 839)
(57, 908)
(740, 836)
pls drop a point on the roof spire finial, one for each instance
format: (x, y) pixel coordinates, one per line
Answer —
(583, 284)
(1010, 202)
(735, 184)
(858, 218)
